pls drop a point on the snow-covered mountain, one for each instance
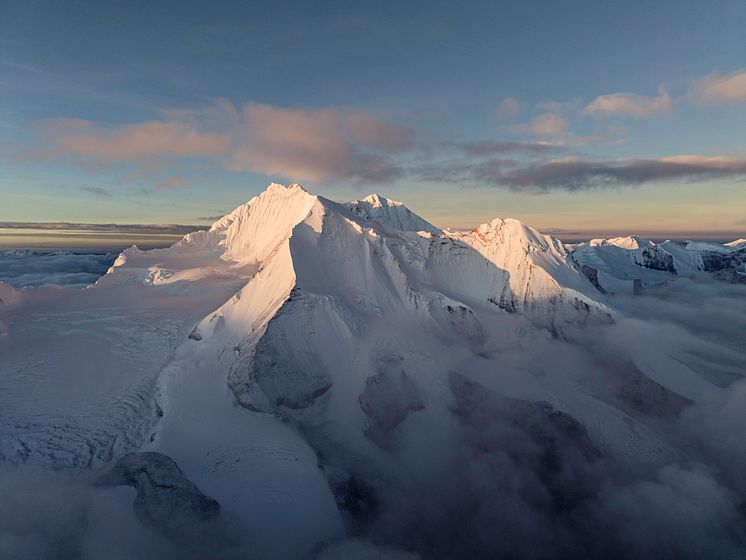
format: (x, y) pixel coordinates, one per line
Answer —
(304, 365)
(624, 264)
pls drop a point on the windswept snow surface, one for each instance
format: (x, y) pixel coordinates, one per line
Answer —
(325, 370)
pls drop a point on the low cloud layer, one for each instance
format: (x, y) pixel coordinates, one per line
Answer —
(26, 268)
(50, 515)
(529, 482)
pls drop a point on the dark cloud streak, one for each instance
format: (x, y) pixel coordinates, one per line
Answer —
(575, 174)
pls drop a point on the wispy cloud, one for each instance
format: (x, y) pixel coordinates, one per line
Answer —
(575, 174)
(629, 105)
(138, 142)
(548, 124)
(715, 88)
(178, 229)
(175, 183)
(97, 191)
(481, 148)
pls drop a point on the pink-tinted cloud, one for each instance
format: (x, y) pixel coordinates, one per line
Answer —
(323, 145)
(714, 88)
(548, 124)
(375, 133)
(138, 142)
(629, 105)
(319, 145)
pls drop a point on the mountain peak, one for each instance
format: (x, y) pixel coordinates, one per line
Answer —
(630, 242)
(390, 213)
(510, 232)
(376, 200)
(737, 243)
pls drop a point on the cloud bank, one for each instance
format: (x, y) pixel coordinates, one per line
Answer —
(72, 270)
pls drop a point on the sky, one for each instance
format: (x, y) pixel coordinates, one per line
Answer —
(574, 116)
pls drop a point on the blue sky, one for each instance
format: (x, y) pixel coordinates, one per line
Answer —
(571, 115)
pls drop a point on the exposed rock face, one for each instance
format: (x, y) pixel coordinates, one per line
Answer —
(656, 258)
(166, 499)
(592, 275)
(356, 499)
(388, 397)
(286, 368)
(713, 261)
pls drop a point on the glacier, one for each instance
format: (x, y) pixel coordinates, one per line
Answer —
(326, 371)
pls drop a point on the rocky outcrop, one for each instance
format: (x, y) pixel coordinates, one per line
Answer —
(713, 261)
(166, 499)
(388, 397)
